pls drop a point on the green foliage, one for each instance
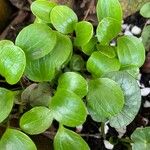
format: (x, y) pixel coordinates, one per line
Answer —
(16, 140)
(69, 140)
(140, 138)
(76, 72)
(145, 10)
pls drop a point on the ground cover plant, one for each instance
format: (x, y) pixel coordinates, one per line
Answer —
(75, 72)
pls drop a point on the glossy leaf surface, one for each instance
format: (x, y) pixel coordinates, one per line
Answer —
(68, 108)
(99, 64)
(107, 29)
(130, 51)
(83, 36)
(6, 103)
(140, 137)
(12, 61)
(105, 99)
(37, 40)
(111, 8)
(132, 97)
(42, 9)
(63, 19)
(16, 140)
(44, 69)
(36, 120)
(74, 82)
(68, 140)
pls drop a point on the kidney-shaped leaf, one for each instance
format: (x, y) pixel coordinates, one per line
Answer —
(111, 8)
(107, 29)
(74, 82)
(145, 10)
(98, 64)
(44, 69)
(83, 36)
(42, 9)
(12, 61)
(132, 97)
(6, 103)
(36, 120)
(63, 19)
(37, 40)
(105, 99)
(140, 138)
(16, 140)
(68, 140)
(130, 51)
(68, 108)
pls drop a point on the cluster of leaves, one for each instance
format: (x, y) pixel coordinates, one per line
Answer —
(43, 52)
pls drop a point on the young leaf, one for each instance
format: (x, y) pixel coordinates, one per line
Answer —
(44, 69)
(102, 105)
(16, 140)
(99, 64)
(107, 29)
(37, 40)
(146, 37)
(42, 9)
(12, 61)
(140, 137)
(83, 36)
(129, 50)
(74, 82)
(145, 10)
(68, 108)
(6, 103)
(63, 19)
(90, 47)
(36, 120)
(66, 139)
(132, 97)
(111, 8)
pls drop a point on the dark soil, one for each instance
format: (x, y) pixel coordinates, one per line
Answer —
(21, 17)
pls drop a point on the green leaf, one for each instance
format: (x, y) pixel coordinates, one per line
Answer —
(37, 94)
(140, 137)
(12, 61)
(36, 120)
(111, 8)
(68, 140)
(105, 99)
(132, 97)
(90, 47)
(42, 9)
(83, 36)
(37, 40)
(145, 10)
(109, 51)
(44, 69)
(77, 63)
(130, 51)
(68, 108)
(6, 103)
(107, 29)
(74, 82)
(146, 37)
(16, 140)
(99, 64)
(63, 19)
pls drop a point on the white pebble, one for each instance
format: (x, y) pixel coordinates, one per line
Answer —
(108, 145)
(127, 33)
(136, 30)
(113, 43)
(124, 26)
(145, 91)
(146, 104)
(79, 128)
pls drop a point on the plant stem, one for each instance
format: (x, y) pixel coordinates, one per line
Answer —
(102, 129)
